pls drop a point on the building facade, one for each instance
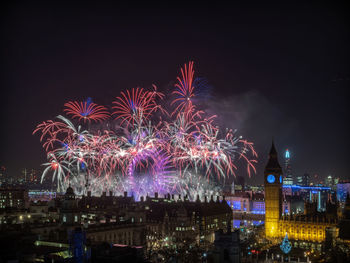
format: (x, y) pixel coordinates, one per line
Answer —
(310, 226)
(343, 189)
(273, 194)
(16, 198)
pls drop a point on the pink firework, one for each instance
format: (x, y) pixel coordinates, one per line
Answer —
(49, 132)
(136, 105)
(184, 91)
(87, 111)
(148, 150)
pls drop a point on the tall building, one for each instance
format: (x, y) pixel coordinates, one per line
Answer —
(329, 181)
(303, 180)
(343, 189)
(288, 178)
(273, 194)
(306, 179)
(310, 226)
(25, 175)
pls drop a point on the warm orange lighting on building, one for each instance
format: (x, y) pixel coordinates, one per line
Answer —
(309, 227)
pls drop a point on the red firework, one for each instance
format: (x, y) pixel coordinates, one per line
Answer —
(136, 105)
(87, 111)
(50, 131)
(184, 91)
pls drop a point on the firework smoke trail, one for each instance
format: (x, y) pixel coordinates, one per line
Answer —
(149, 151)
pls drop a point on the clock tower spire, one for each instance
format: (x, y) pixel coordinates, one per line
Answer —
(273, 194)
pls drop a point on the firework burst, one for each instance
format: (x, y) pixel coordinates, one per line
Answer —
(86, 111)
(150, 151)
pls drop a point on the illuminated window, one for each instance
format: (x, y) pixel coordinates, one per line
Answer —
(64, 218)
(236, 205)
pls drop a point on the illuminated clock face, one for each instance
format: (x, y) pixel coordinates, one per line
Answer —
(271, 178)
(280, 178)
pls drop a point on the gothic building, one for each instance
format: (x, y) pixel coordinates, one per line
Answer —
(310, 226)
(273, 194)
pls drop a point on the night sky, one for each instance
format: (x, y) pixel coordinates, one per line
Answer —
(275, 71)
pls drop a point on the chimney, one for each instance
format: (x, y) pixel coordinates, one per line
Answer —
(186, 198)
(197, 199)
(223, 198)
(217, 199)
(211, 198)
(168, 196)
(110, 193)
(156, 195)
(205, 199)
(89, 193)
(141, 199)
(179, 198)
(172, 196)
(125, 194)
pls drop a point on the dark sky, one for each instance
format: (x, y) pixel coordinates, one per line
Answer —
(276, 71)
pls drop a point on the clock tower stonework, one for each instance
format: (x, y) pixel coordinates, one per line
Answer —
(273, 194)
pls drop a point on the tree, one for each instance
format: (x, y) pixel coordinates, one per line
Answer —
(286, 246)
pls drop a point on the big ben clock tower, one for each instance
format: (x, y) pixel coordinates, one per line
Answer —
(273, 194)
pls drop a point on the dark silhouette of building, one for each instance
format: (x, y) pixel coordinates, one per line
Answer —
(227, 247)
(344, 224)
(69, 211)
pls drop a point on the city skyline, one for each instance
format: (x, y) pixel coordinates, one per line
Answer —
(174, 133)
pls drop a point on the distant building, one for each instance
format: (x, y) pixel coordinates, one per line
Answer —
(288, 178)
(41, 195)
(299, 180)
(319, 194)
(14, 198)
(344, 224)
(2, 174)
(332, 182)
(343, 189)
(248, 202)
(303, 180)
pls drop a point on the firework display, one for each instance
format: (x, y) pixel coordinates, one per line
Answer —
(143, 147)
